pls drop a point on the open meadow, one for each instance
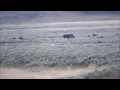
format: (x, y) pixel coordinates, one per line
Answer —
(43, 52)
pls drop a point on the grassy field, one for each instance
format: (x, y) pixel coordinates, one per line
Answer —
(44, 53)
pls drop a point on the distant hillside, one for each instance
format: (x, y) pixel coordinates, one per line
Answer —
(7, 17)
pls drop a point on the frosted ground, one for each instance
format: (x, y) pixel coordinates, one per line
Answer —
(44, 53)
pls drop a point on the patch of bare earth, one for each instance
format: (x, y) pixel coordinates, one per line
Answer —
(46, 73)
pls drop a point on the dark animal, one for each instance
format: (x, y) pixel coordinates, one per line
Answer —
(14, 37)
(68, 36)
(21, 38)
(102, 37)
(94, 34)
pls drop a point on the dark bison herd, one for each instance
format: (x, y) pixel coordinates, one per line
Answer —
(64, 36)
(68, 36)
(21, 38)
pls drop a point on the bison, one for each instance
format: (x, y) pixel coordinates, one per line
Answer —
(102, 37)
(94, 34)
(68, 36)
(21, 38)
(14, 37)
(88, 35)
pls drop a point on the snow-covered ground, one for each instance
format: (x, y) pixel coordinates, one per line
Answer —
(44, 46)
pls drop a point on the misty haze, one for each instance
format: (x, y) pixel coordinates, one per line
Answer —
(60, 44)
